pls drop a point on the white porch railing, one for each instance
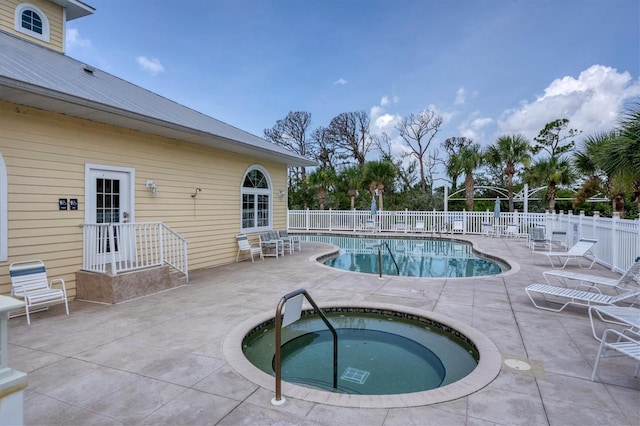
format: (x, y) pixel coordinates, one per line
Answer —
(120, 247)
(618, 239)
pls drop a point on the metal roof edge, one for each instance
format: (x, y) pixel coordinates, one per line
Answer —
(176, 131)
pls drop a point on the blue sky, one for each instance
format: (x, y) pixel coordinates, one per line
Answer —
(488, 67)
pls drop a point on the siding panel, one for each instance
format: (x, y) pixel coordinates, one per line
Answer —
(46, 155)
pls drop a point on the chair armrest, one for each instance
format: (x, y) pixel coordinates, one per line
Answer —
(58, 281)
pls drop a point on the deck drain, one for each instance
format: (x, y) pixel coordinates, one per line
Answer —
(516, 364)
(354, 375)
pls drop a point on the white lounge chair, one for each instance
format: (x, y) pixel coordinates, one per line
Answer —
(29, 282)
(630, 279)
(243, 245)
(621, 343)
(577, 297)
(419, 226)
(577, 251)
(626, 316)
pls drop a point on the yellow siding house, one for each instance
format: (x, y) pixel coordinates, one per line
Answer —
(81, 147)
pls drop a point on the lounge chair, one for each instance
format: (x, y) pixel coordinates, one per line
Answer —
(577, 251)
(621, 343)
(401, 226)
(243, 245)
(419, 226)
(626, 316)
(630, 279)
(577, 297)
(29, 282)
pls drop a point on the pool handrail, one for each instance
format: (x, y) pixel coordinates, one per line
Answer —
(278, 400)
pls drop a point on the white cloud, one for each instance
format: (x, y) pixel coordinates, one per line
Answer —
(151, 65)
(341, 81)
(475, 128)
(460, 97)
(73, 39)
(593, 102)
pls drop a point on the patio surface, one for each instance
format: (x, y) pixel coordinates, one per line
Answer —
(159, 360)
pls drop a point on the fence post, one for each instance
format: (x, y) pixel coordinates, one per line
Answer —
(330, 220)
(614, 240)
(306, 219)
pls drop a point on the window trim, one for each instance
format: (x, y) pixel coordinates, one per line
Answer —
(4, 238)
(23, 7)
(257, 191)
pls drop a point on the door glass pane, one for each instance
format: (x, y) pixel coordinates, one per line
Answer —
(107, 207)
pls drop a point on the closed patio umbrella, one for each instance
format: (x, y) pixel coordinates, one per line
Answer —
(374, 206)
(496, 208)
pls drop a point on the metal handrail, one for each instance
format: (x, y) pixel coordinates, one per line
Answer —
(278, 325)
(380, 258)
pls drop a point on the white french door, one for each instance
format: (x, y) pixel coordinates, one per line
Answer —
(109, 199)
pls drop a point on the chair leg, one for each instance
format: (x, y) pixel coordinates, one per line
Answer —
(595, 366)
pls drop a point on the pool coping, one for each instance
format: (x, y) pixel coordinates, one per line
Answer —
(487, 370)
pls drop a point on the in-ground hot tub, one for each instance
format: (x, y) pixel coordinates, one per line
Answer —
(440, 358)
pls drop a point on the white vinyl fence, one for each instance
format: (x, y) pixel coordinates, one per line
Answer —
(618, 239)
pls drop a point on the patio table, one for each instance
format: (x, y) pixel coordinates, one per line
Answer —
(627, 316)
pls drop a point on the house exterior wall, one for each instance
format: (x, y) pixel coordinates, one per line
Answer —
(45, 156)
(53, 12)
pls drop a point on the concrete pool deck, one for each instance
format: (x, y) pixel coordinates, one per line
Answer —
(159, 360)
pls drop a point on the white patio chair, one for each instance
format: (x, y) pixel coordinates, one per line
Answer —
(511, 231)
(458, 227)
(243, 245)
(29, 282)
(271, 246)
(290, 241)
(576, 252)
(630, 279)
(623, 344)
(419, 226)
(571, 296)
(537, 238)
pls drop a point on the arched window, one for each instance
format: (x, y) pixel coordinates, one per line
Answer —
(256, 200)
(32, 21)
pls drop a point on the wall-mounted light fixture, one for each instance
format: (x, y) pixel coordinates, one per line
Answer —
(281, 193)
(151, 186)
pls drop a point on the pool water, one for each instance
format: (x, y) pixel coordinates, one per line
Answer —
(378, 353)
(413, 257)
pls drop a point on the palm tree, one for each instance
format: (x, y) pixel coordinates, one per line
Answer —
(508, 152)
(351, 177)
(469, 159)
(588, 161)
(622, 158)
(552, 172)
(378, 174)
(322, 178)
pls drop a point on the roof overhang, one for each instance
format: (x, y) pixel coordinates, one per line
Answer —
(75, 9)
(22, 93)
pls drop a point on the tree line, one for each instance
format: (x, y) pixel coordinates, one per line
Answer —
(567, 164)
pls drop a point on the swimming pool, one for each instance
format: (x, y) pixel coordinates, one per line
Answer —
(380, 352)
(424, 257)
